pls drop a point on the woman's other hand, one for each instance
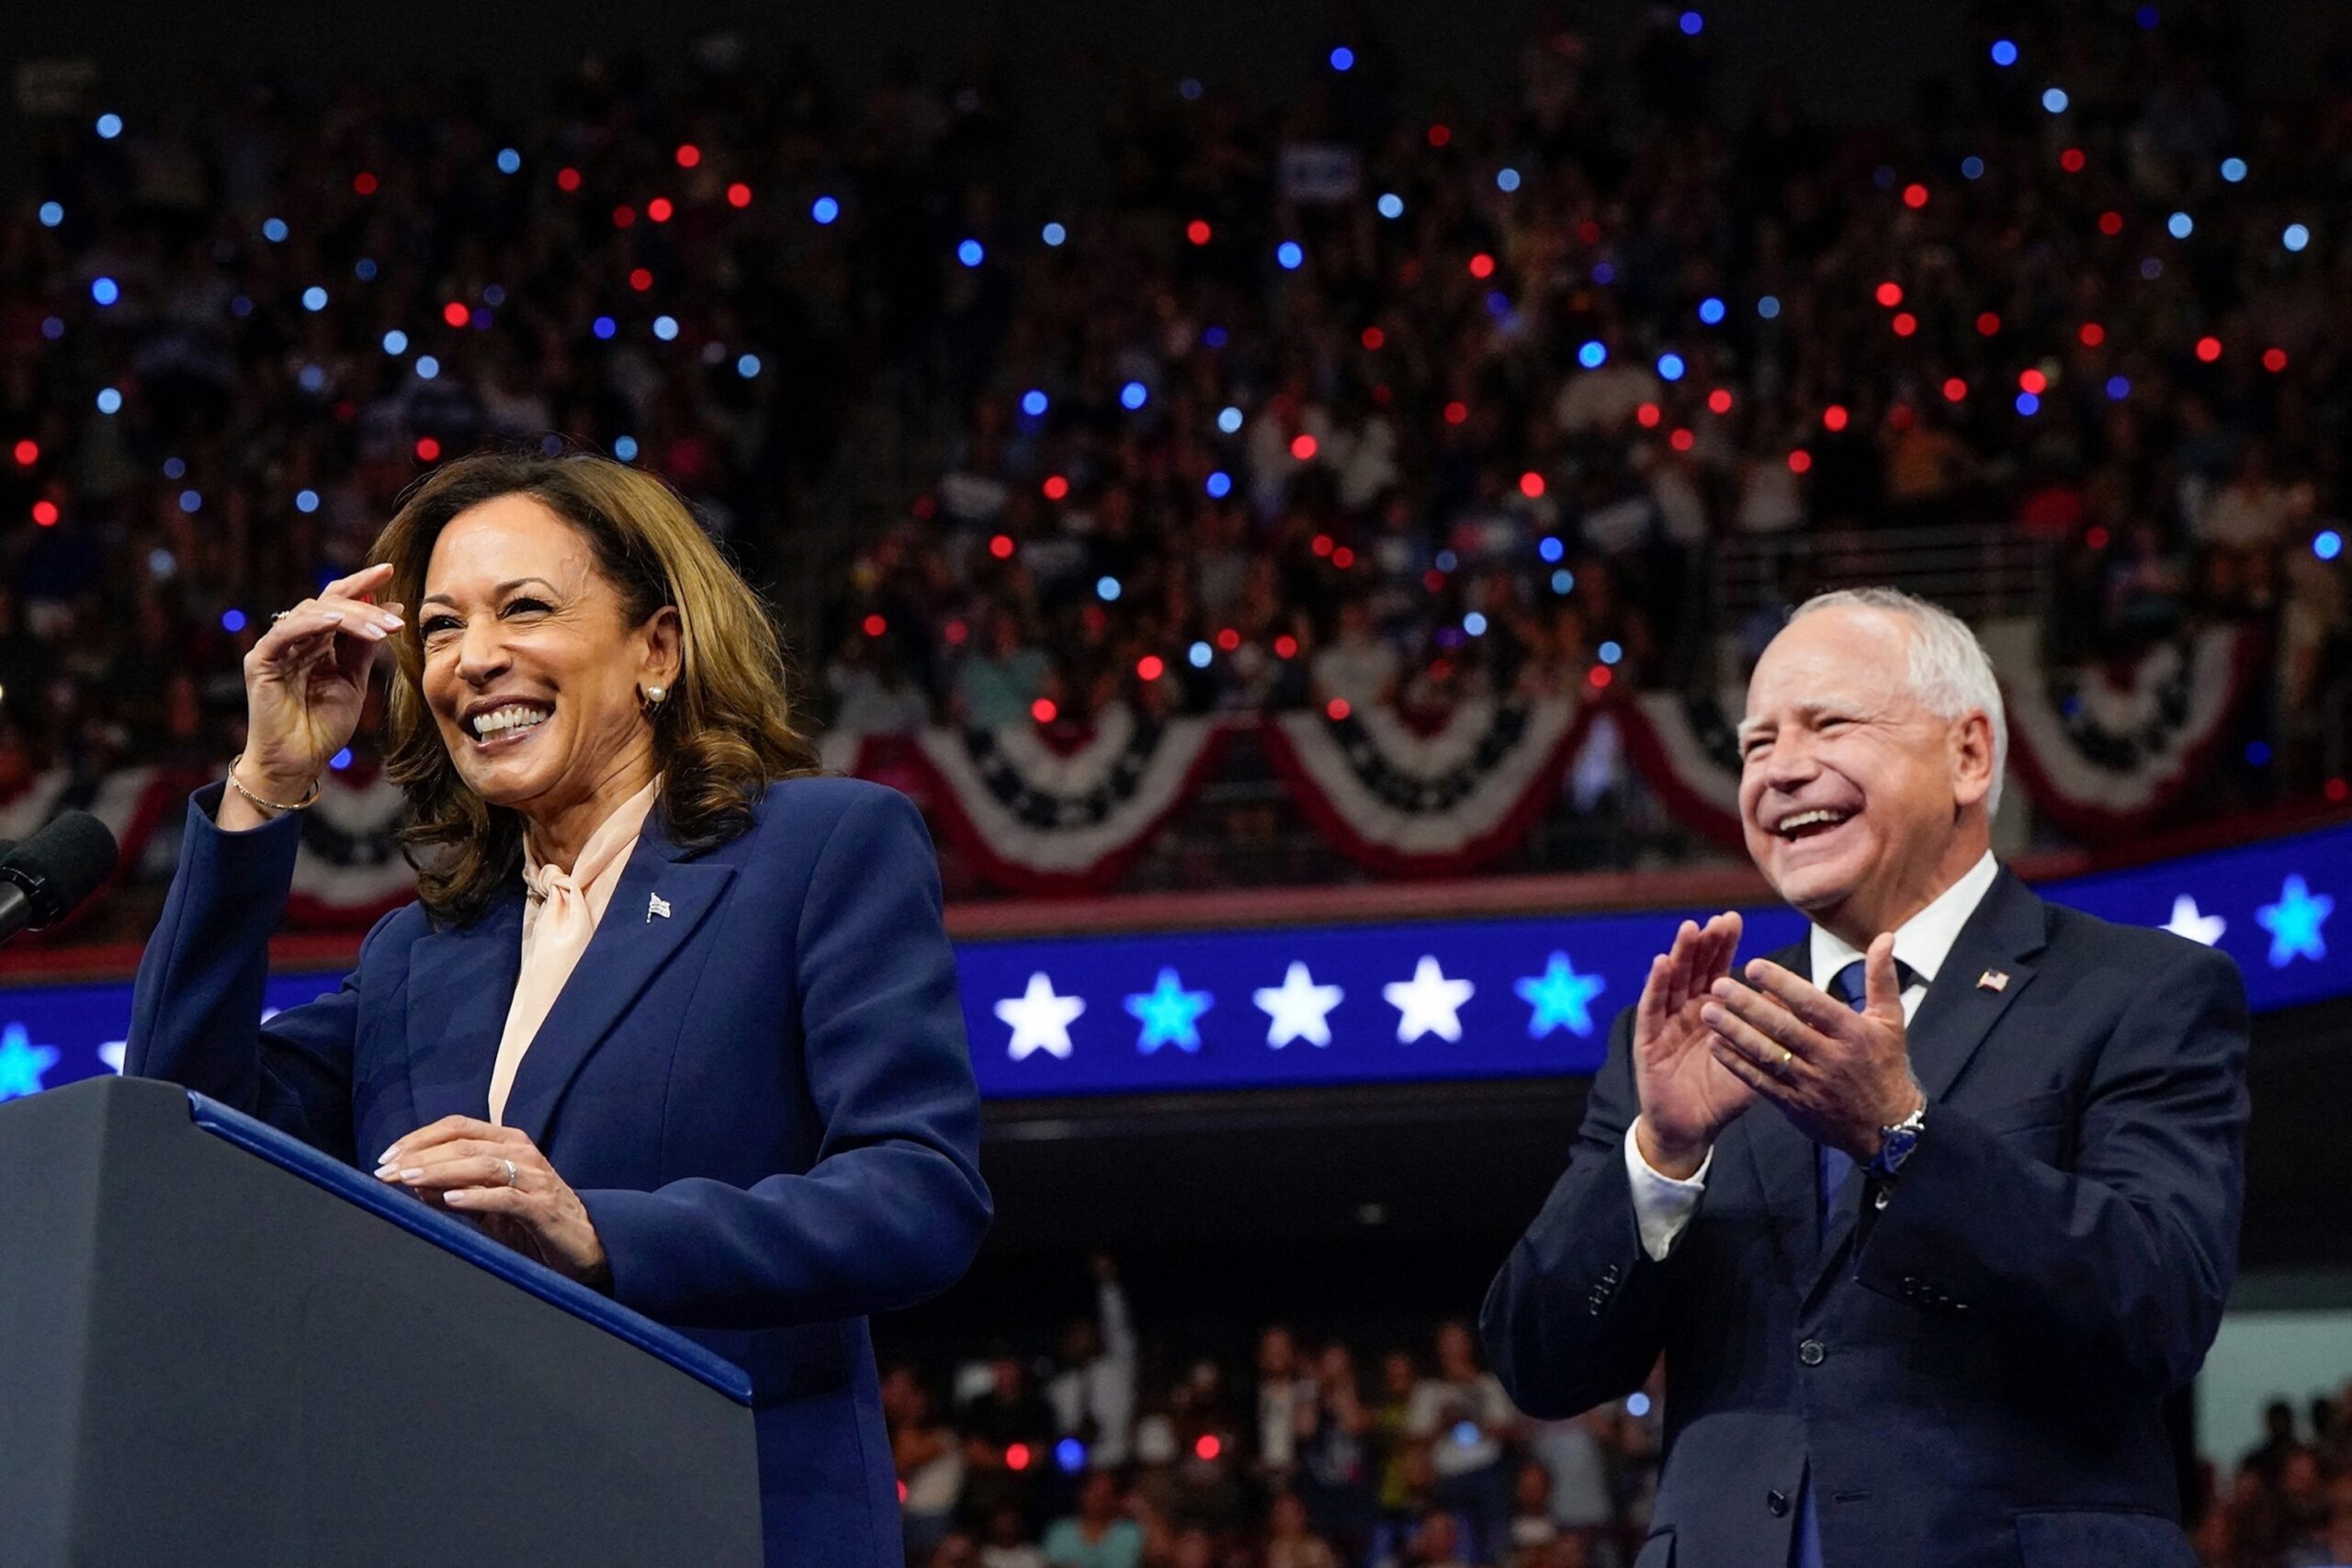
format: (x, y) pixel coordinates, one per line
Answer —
(464, 1164)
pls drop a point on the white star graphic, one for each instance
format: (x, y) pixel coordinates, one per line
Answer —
(113, 1051)
(2186, 921)
(1299, 1009)
(1040, 1019)
(1428, 1003)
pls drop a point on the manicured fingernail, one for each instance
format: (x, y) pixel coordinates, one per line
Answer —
(411, 1172)
(388, 1154)
(373, 633)
(456, 1197)
(389, 620)
(384, 1172)
(334, 615)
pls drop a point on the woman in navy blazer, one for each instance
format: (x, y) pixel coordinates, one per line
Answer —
(749, 1112)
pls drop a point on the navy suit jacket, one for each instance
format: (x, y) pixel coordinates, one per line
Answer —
(763, 1098)
(1973, 1367)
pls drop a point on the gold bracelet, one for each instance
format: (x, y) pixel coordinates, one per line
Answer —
(304, 804)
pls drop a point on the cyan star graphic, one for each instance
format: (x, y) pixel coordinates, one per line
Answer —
(2293, 923)
(22, 1063)
(1171, 1014)
(1560, 996)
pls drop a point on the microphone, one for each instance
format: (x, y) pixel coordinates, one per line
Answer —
(52, 871)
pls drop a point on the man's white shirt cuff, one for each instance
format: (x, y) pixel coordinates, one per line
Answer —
(1662, 1205)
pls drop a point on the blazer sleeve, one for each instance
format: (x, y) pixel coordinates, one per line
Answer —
(196, 1008)
(893, 1209)
(1577, 1315)
(2124, 1261)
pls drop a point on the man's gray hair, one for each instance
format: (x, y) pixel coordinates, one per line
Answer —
(1949, 673)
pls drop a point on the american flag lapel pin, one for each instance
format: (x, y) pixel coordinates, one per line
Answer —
(1991, 980)
(658, 905)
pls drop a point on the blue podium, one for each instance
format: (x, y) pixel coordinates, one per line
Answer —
(221, 1346)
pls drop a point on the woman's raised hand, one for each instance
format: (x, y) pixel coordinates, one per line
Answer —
(305, 680)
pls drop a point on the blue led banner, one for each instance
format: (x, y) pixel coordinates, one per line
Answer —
(1300, 1006)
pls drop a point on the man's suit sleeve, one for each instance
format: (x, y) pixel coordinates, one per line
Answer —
(2124, 1261)
(1576, 1316)
(893, 1209)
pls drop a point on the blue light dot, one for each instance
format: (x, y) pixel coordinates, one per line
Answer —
(1669, 366)
(1466, 1434)
(1053, 234)
(109, 401)
(1549, 548)
(2296, 237)
(1291, 257)
(625, 448)
(971, 253)
(1445, 561)
(747, 366)
(1199, 654)
(1563, 580)
(1228, 419)
(2147, 17)
(2180, 225)
(2258, 753)
(1610, 652)
(1215, 336)
(2119, 387)
(2054, 99)
(175, 469)
(364, 269)
(1769, 307)
(1474, 624)
(1133, 395)
(1035, 404)
(53, 213)
(1106, 589)
(1603, 273)
(396, 342)
(2152, 269)
(109, 127)
(665, 328)
(1070, 1454)
(1971, 167)
(2005, 53)
(493, 295)
(1593, 354)
(1883, 176)
(306, 500)
(427, 368)
(2328, 545)
(232, 621)
(604, 326)
(1343, 59)
(1507, 179)
(824, 209)
(1693, 23)
(191, 502)
(1498, 302)
(1711, 310)
(1390, 205)
(274, 229)
(312, 378)
(1220, 484)
(2028, 404)
(341, 760)
(314, 298)
(509, 160)
(1638, 1405)
(52, 327)
(1189, 89)
(105, 290)
(2234, 169)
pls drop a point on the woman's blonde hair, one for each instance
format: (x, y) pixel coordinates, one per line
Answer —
(722, 735)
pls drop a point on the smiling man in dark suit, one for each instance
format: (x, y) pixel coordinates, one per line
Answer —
(1926, 1213)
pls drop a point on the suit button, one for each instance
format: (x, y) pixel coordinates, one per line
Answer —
(1812, 1353)
(1776, 1501)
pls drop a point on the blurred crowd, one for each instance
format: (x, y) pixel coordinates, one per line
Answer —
(1340, 396)
(2289, 1501)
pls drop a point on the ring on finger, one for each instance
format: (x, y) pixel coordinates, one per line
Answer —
(279, 616)
(1788, 1059)
(510, 1171)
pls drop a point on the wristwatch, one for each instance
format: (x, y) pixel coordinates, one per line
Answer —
(1896, 1143)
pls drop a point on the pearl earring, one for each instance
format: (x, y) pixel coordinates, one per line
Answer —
(653, 695)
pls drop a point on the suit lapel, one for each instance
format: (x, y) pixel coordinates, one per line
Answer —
(663, 897)
(1782, 1158)
(460, 983)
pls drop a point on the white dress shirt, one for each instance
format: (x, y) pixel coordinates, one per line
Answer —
(1662, 1204)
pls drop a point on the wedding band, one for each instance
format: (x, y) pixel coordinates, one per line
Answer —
(1787, 1057)
(510, 1171)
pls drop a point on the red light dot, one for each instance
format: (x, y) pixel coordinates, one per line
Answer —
(1833, 418)
(1000, 547)
(1600, 677)
(1719, 400)
(689, 155)
(1914, 196)
(873, 625)
(1954, 390)
(2071, 160)
(1530, 484)
(1482, 265)
(2033, 382)
(1043, 710)
(364, 183)
(957, 631)
(28, 452)
(2092, 335)
(1681, 440)
(2110, 224)
(659, 209)
(1197, 230)
(427, 449)
(1439, 136)
(1647, 416)
(1373, 337)
(1208, 1446)
(2209, 349)
(567, 179)
(1336, 710)
(1017, 1455)
(1228, 640)
(1302, 446)
(1455, 413)
(2095, 536)
(1904, 324)
(1890, 294)
(902, 1492)
(1056, 487)
(624, 216)
(1150, 667)
(640, 279)
(1343, 557)
(2274, 360)
(1322, 545)
(1433, 579)
(45, 514)
(1987, 324)
(1285, 647)
(2337, 789)
(1588, 233)
(1799, 460)
(738, 195)
(455, 313)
